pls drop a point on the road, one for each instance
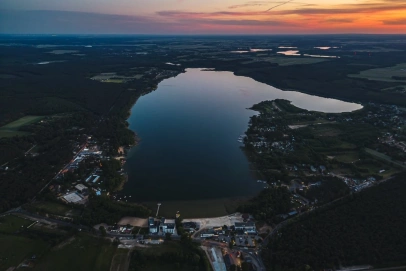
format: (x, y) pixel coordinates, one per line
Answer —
(57, 174)
(254, 253)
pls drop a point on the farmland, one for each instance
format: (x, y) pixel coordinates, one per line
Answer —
(12, 224)
(12, 129)
(389, 74)
(83, 253)
(14, 249)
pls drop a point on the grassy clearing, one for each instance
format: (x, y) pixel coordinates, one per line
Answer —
(384, 157)
(116, 81)
(62, 52)
(11, 129)
(52, 208)
(11, 133)
(347, 157)
(167, 246)
(15, 125)
(289, 61)
(84, 253)
(120, 260)
(15, 249)
(12, 224)
(384, 74)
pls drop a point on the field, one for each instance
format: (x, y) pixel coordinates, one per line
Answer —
(120, 260)
(384, 74)
(15, 249)
(12, 224)
(347, 157)
(12, 128)
(289, 61)
(83, 253)
(384, 157)
(52, 208)
(62, 52)
(168, 246)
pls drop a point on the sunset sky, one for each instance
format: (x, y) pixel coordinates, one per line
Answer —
(202, 16)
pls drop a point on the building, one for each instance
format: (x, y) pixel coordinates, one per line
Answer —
(190, 226)
(168, 225)
(81, 188)
(73, 197)
(207, 233)
(153, 225)
(245, 227)
(93, 178)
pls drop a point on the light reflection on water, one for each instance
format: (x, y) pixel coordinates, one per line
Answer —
(189, 129)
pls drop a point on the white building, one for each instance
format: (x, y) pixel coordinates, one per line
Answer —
(81, 187)
(168, 225)
(153, 225)
(246, 227)
(73, 197)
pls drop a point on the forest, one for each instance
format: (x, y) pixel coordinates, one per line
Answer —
(268, 204)
(366, 228)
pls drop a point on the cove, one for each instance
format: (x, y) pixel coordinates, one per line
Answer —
(189, 128)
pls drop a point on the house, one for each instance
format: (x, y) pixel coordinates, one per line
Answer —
(81, 188)
(190, 226)
(207, 233)
(245, 226)
(93, 178)
(153, 225)
(168, 225)
(292, 213)
(73, 197)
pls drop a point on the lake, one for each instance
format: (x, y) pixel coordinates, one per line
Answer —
(189, 128)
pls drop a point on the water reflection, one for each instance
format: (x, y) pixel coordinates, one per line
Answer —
(289, 53)
(189, 129)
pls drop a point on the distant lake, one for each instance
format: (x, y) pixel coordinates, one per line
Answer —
(189, 128)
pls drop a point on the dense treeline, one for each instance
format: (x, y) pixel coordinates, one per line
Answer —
(269, 203)
(111, 170)
(327, 190)
(365, 228)
(102, 210)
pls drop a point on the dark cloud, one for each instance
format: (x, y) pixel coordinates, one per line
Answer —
(401, 21)
(68, 22)
(339, 20)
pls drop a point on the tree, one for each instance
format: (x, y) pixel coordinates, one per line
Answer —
(245, 266)
(102, 231)
(230, 245)
(233, 267)
(168, 236)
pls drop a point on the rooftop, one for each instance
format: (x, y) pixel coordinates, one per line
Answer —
(169, 221)
(73, 197)
(80, 187)
(245, 224)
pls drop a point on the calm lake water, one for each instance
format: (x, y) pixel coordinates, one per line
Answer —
(189, 128)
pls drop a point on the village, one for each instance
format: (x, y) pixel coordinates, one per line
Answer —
(308, 152)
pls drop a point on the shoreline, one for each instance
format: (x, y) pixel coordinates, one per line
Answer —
(253, 168)
(137, 139)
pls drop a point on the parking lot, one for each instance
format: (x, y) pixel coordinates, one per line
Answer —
(228, 220)
(245, 241)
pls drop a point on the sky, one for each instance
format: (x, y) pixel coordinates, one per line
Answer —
(202, 16)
